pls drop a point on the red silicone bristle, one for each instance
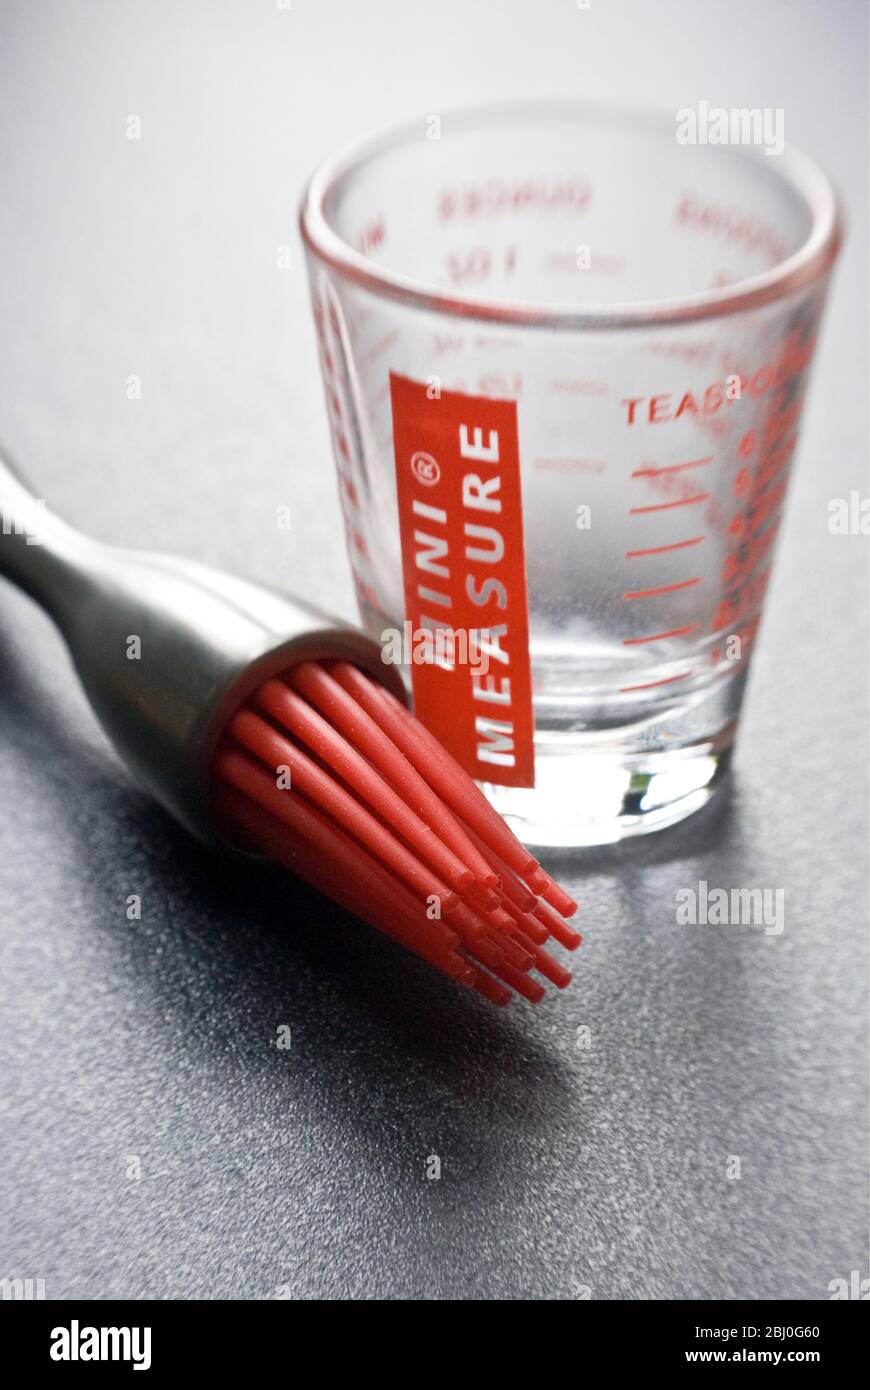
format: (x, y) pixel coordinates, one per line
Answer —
(556, 925)
(512, 885)
(498, 917)
(526, 923)
(310, 781)
(330, 776)
(450, 780)
(471, 926)
(492, 990)
(554, 894)
(333, 876)
(452, 783)
(364, 693)
(515, 954)
(369, 894)
(551, 969)
(530, 989)
(305, 724)
(486, 952)
(341, 709)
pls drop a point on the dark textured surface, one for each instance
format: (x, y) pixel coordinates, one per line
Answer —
(564, 1172)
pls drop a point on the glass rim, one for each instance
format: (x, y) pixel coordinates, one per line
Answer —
(812, 259)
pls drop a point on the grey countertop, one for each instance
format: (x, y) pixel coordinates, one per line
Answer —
(566, 1172)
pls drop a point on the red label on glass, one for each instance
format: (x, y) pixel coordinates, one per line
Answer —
(463, 559)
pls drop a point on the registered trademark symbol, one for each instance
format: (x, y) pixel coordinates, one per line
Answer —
(425, 469)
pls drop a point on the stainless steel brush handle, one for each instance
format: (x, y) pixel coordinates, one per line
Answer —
(38, 551)
(166, 649)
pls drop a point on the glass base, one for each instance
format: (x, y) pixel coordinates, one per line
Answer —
(596, 798)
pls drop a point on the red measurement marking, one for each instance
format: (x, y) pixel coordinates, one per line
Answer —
(349, 489)
(648, 685)
(663, 589)
(663, 506)
(663, 549)
(659, 636)
(671, 468)
(383, 343)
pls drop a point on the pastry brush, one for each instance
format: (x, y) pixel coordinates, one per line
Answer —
(261, 722)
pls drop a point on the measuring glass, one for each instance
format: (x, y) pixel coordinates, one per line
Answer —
(652, 309)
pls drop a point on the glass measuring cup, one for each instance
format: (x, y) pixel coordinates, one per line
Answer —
(651, 309)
